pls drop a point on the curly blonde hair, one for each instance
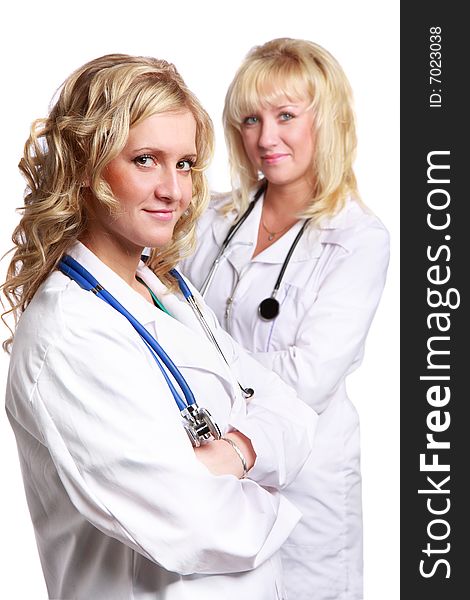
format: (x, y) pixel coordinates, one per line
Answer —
(86, 128)
(298, 69)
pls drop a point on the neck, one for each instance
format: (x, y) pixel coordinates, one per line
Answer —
(287, 200)
(122, 260)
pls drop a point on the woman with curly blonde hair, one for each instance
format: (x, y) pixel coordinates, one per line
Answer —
(134, 489)
(66, 154)
(293, 264)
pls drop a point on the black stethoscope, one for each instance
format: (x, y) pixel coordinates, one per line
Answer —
(268, 308)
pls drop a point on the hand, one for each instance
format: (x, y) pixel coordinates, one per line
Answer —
(220, 457)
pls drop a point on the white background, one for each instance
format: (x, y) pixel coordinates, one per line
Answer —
(43, 42)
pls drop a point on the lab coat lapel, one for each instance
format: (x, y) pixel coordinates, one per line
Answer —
(220, 228)
(115, 285)
(333, 228)
(180, 335)
(307, 247)
(241, 248)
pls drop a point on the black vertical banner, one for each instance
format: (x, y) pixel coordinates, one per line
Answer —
(435, 353)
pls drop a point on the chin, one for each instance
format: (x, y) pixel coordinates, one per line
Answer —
(277, 179)
(158, 242)
(160, 238)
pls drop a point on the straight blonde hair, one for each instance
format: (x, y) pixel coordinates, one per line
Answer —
(299, 70)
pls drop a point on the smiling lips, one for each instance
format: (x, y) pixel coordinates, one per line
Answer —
(272, 159)
(163, 214)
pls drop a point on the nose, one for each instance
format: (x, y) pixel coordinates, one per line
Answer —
(268, 134)
(168, 186)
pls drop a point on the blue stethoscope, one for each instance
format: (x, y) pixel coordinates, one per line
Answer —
(197, 421)
(268, 308)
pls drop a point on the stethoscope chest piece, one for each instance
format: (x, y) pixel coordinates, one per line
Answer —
(268, 309)
(199, 425)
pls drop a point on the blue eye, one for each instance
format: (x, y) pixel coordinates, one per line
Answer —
(145, 160)
(251, 120)
(185, 165)
(286, 116)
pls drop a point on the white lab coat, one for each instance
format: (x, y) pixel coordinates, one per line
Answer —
(120, 505)
(328, 298)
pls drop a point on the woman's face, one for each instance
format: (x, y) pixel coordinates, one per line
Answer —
(279, 140)
(151, 179)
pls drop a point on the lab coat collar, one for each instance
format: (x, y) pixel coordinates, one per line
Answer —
(198, 351)
(174, 303)
(247, 233)
(241, 248)
(142, 310)
(194, 349)
(333, 228)
(329, 231)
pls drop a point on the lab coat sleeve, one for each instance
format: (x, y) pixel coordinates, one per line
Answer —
(279, 425)
(101, 407)
(330, 339)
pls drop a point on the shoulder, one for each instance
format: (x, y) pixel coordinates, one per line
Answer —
(220, 200)
(355, 225)
(216, 214)
(62, 318)
(41, 324)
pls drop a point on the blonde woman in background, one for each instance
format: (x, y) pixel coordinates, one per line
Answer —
(293, 264)
(123, 504)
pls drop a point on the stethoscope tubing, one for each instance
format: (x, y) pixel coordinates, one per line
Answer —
(85, 279)
(287, 259)
(189, 296)
(228, 238)
(268, 308)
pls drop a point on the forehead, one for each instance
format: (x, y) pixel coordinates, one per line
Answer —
(268, 89)
(281, 102)
(169, 132)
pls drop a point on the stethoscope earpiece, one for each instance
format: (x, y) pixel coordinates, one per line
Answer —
(268, 309)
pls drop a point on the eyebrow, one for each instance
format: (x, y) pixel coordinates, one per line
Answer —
(291, 105)
(276, 107)
(147, 149)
